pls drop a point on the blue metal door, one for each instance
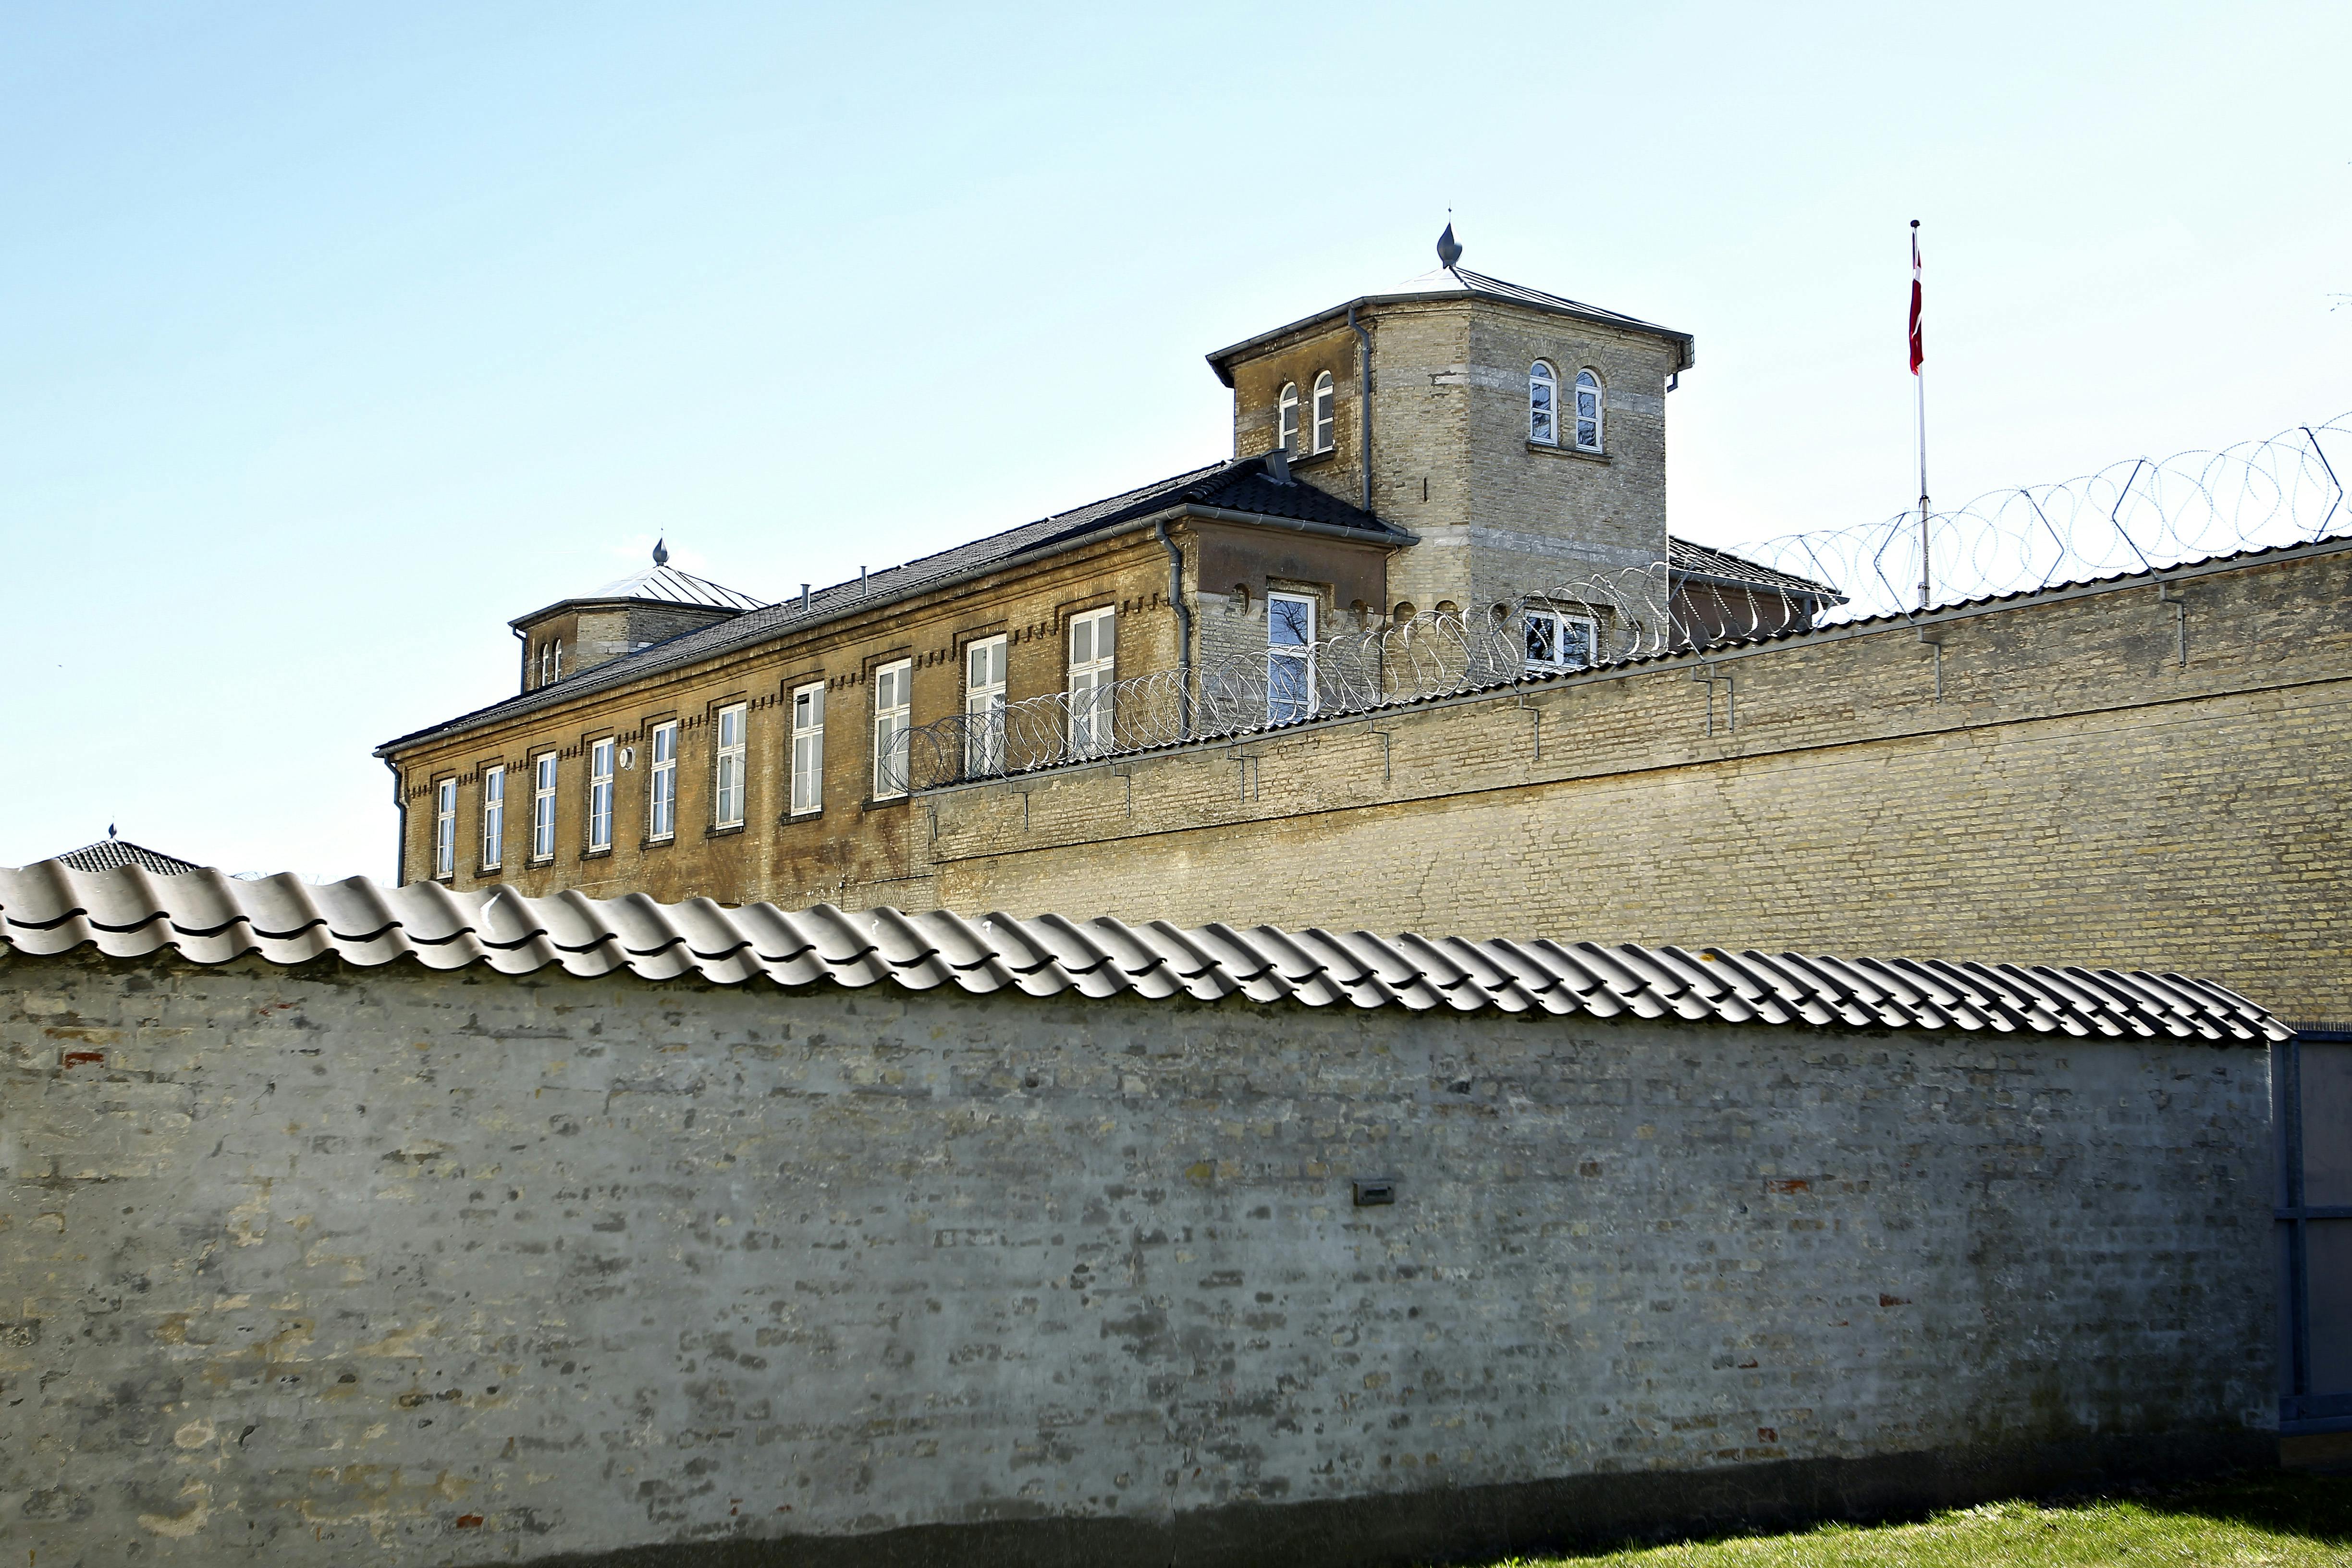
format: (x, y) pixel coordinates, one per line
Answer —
(2313, 1083)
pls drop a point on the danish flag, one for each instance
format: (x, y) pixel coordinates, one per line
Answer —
(1918, 350)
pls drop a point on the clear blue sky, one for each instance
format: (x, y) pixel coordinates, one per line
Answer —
(331, 337)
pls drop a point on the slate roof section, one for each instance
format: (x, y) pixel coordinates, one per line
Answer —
(49, 909)
(1242, 486)
(1462, 282)
(1705, 561)
(107, 853)
(665, 584)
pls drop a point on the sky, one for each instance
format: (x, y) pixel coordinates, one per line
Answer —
(332, 337)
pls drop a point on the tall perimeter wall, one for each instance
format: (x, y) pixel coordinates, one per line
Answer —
(2155, 773)
(329, 1266)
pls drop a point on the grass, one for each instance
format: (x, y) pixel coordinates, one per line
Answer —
(2278, 1519)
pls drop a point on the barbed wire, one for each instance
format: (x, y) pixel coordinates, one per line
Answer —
(2139, 515)
(2136, 516)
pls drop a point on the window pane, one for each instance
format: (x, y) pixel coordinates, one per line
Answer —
(1082, 642)
(1587, 433)
(1287, 695)
(1543, 639)
(1290, 622)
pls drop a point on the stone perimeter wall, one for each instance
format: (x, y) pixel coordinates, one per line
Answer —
(393, 1266)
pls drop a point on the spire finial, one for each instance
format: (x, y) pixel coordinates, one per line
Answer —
(661, 554)
(1449, 250)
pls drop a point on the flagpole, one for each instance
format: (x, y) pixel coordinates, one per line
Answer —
(1920, 391)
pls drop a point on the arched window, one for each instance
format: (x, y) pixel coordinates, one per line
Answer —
(1588, 412)
(1543, 404)
(1323, 412)
(1286, 419)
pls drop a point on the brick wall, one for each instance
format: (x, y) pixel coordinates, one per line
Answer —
(405, 1266)
(2075, 793)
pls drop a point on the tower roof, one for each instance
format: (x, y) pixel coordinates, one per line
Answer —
(1452, 279)
(660, 583)
(110, 852)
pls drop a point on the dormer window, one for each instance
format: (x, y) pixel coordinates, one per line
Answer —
(1588, 412)
(551, 661)
(1323, 422)
(1286, 419)
(1543, 404)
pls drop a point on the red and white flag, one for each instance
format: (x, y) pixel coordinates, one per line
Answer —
(1918, 351)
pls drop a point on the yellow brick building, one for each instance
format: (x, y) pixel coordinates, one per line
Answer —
(1456, 452)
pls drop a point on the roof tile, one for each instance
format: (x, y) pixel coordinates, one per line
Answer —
(50, 909)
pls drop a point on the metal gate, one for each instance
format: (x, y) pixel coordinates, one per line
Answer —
(2313, 1086)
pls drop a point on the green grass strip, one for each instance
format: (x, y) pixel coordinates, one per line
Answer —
(2273, 1521)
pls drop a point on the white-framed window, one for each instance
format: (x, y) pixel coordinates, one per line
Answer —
(1285, 419)
(1558, 639)
(494, 817)
(1588, 412)
(726, 778)
(1324, 393)
(1094, 648)
(808, 748)
(600, 794)
(445, 828)
(893, 701)
(1543, 404)
(1289, 658)
(984, 707)
(543, 807)
(661, 782)
(551, 661)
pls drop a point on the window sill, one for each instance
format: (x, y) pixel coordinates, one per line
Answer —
(728, 832)
(538, 860)
(808, 816)
(604, 853)
(663, 842)
(1309, 460)
(1541, 450)
(881, 803)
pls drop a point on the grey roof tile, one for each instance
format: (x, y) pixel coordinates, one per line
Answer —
(51, 909)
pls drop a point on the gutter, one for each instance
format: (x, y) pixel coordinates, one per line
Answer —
(557, 691)
(1183, 622)
(399, 809)
(1364, 398)
(1327, 530)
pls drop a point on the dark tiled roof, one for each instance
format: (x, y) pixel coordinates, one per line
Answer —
(1705, 561)
(48, 910)
(1241, 486)
(107, 853)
